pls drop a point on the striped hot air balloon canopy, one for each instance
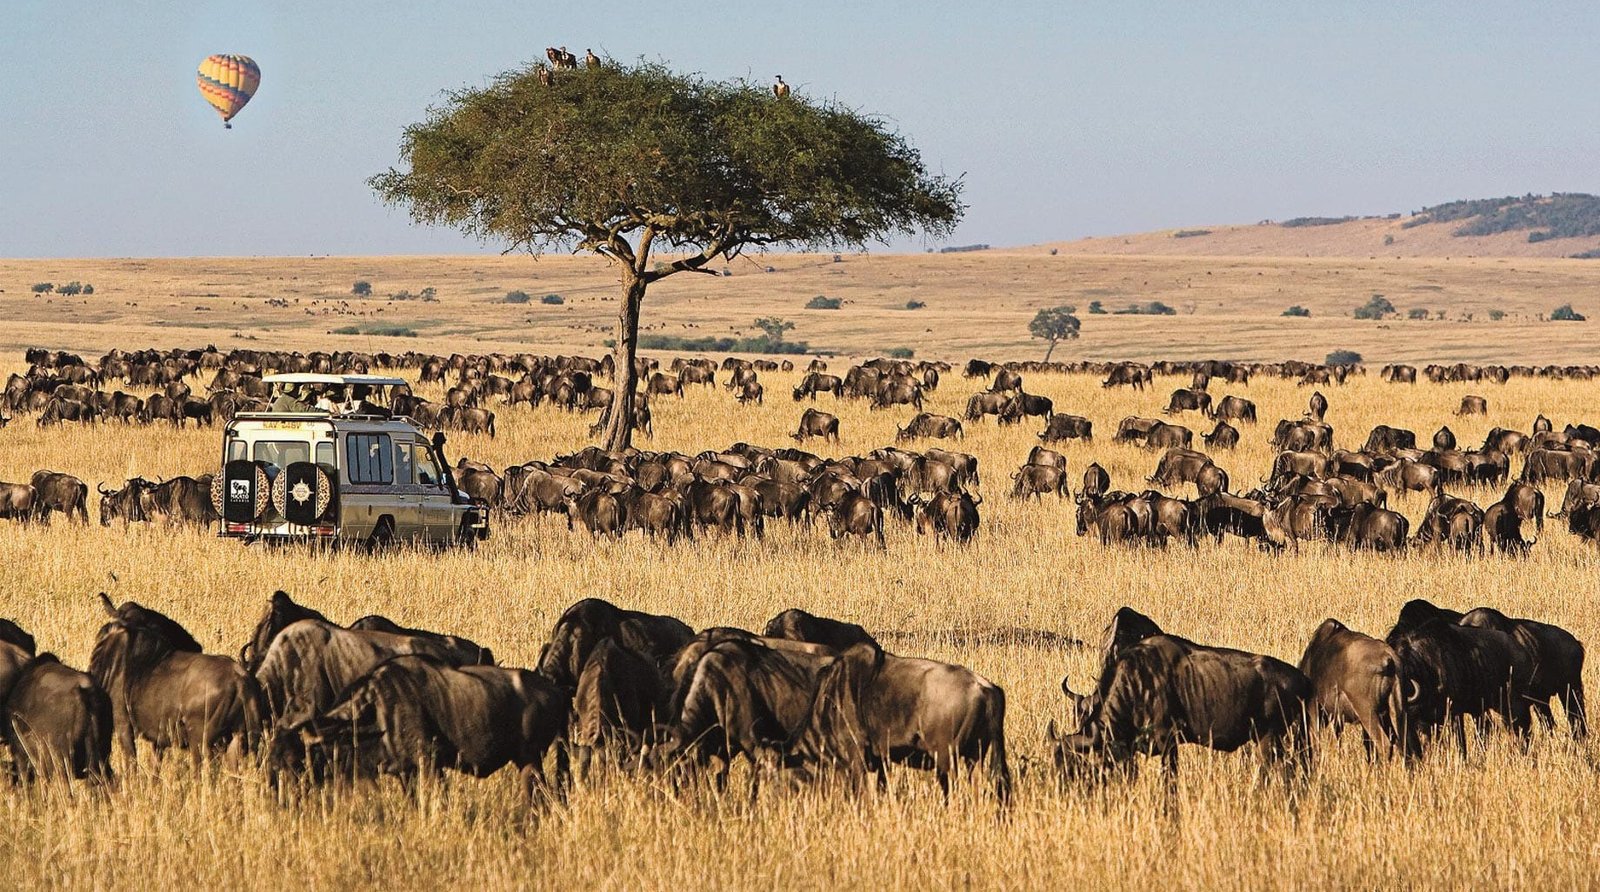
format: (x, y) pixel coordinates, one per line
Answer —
(228, 82)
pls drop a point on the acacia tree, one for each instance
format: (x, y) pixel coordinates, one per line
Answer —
(635, 161)
(1054, 324)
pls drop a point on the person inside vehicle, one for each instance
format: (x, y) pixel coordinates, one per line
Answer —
(325, 403)
(291, 399)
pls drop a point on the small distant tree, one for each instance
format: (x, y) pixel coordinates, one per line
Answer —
(42, 287)
(1297, 311)
(824, 303)
(1565, 313)
(625, 160)
(1053, 325)
(901, 353)
(361, 288)
(1497, 315)
(774, 328)
(1417, 313)
(554, 300)
(1342, 357)
(1095, 309)
(71, 289)
(1376, 307)
(429, 294)
(517, 297)
(88, 289)
(915, 304)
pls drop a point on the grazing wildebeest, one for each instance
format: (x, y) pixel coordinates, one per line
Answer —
(282, 612)
(816, 382)
(1165, 436)
(1067, 427)
(856, 514)
(1387, 439)
(1096, 482)
(953, 514)
(414, 713)
(1473, 405)
(986, 403)
(55, 491)
(925, 425)
(1189, 401)
(1037, 480)
(1454, 671)
(1165, 691)
(1557, 665)
(588, 622)
(165, 690)
(795, 624)
(18, 501)
(621, 699)
(1366, 525)
(815, 423)
(1234, 408)
(872, 708)
(1356, 678)
(56, 721)
(1223, 436)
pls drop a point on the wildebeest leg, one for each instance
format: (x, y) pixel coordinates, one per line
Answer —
(1541, 710)
(1577, 715)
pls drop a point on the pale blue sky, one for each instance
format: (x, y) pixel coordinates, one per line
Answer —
(1068, 119)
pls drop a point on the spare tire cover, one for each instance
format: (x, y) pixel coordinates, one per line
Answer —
(304, 493)
(248, 494)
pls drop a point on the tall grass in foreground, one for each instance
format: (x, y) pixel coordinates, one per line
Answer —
(1500, 817)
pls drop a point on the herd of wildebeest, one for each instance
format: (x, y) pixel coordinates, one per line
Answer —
(807, 699)
(1313, 491)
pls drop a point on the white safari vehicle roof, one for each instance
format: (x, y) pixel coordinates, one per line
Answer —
(314, 378)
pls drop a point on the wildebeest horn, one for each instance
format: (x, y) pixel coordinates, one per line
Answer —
(105, 603)
(103, 491)
(1416, 692)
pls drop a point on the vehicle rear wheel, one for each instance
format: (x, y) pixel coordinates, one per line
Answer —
(466, 535)
(382, 534)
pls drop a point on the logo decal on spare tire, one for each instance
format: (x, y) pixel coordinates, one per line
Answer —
(238, 490)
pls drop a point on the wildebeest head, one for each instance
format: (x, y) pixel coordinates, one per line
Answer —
(130, 504)
(11, 633)
(134, 641)
(282, 611)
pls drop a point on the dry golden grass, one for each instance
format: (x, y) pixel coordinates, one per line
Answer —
(978, 304)
(1499, 818)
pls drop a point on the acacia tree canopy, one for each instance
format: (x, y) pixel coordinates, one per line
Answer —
(627, 160)
(1054, 324)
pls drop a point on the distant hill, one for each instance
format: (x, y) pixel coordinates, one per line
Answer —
(1564, 224)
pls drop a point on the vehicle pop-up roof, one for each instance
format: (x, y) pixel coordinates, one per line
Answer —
(339, 385)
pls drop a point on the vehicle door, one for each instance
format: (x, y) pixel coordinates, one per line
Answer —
(437, 504)
(372, 491)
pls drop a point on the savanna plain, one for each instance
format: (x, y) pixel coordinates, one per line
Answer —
(1023, 604)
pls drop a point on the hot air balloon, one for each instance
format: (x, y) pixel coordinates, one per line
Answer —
(228, 82)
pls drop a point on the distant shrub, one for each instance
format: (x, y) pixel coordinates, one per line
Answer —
(88, 289)
(901, 353)
(1096, 309)
(712, 344)
(915, 304)
(1416, 313)
(429, 294)
(824, 303)
(1342, 357)
(71, 289)
(1388, 240)
(1153, 308)
(1297, 310)
(361, 288)
(42, 287)
(402, 295)
(1376, 307)
(1191, 233)
(517, 297)
(554, 300)
(1565, 313)
(347, 329)
(1314, 221)
(1592, 254)
(384, 331)
(1497, 315)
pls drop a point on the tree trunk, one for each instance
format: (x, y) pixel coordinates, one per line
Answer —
(619, 430)
(1050, 349)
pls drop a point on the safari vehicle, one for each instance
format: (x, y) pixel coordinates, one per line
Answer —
(327, 462)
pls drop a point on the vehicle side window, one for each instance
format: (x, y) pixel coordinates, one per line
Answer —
(371, 458)
(402, 463)
(237, 449)
(282, 453)
(427, 468)
(325, 454)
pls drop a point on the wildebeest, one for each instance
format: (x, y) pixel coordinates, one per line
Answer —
(1095, 480)
(18, 501)
(414, 713)
(1189, 401)
(166, 691)
(924, 425)
(620, 700)
(1234, 408)
(817, 382)
(815, 423)
(1067, 427)
(1223, 436)
(873, 708)
(1454, 671)
(856, 514)
(799, 625)
(1037, 480)
(1356, 678)
(952, 514)
(1557, 665)
(1387, 439)
(1165, 691)
(1473, 405)
(588, 622)
(56, 721)
(65, 493)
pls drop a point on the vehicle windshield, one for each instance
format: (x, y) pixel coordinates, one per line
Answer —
(282, 453)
